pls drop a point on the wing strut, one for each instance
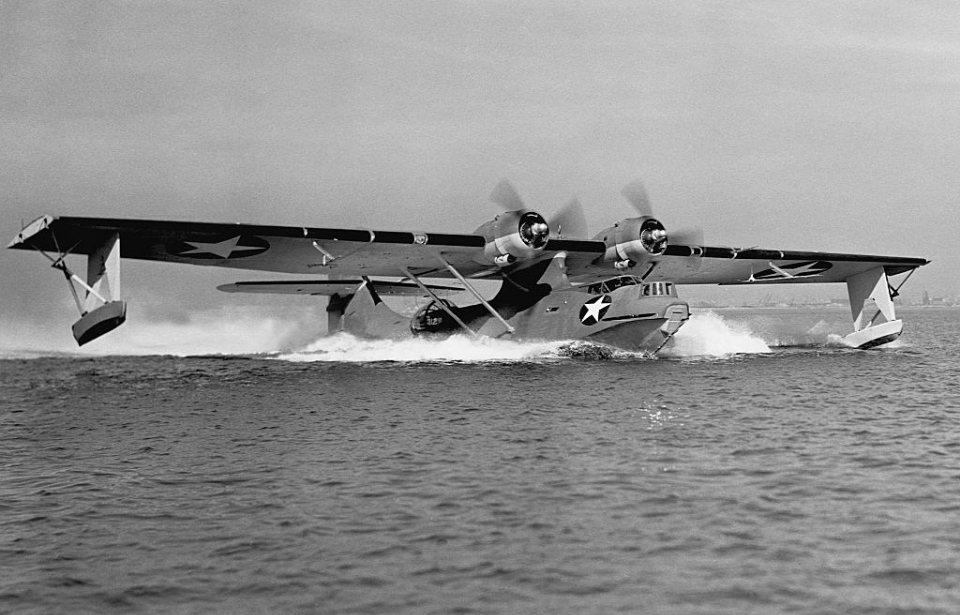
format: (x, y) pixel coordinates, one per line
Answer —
(442, 305)
(101, 309)
(486, 304)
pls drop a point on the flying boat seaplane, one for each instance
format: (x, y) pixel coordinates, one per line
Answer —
(619, 288)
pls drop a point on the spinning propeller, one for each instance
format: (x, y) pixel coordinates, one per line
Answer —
(636, 195)
(506, 196)
(568, 222)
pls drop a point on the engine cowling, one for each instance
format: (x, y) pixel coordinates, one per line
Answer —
(634, 240)
(514, 235)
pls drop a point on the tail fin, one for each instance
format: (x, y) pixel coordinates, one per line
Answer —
(367, 315)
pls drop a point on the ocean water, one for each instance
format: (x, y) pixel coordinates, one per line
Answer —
(756, 467)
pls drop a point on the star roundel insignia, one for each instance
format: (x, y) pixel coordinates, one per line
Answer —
(796, 270)
(592, 311)
(234, 247)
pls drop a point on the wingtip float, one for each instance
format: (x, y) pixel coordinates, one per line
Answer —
(619, 288)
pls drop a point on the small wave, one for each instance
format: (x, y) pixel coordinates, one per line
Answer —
(707, 334)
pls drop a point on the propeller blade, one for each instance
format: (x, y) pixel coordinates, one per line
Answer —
(691, 237)
(505, 195)
(570, 222)
(636, 193)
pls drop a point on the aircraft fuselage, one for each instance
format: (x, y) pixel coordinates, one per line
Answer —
(621, 312)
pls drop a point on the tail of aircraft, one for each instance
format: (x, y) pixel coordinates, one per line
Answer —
(367, 315)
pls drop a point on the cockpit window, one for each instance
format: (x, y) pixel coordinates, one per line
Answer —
(608, 286)
(651, 289)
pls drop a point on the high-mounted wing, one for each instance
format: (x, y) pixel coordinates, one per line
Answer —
(720, 265)
(713, 265)
(516, 244)
(284, 249)
(326, 251)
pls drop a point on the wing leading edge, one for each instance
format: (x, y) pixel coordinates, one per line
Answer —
(283, 249)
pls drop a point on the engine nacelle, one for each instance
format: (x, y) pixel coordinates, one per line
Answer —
(633, 241)
(514, 235)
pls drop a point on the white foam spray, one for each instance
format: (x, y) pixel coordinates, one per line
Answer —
(704, 335)
(228, 331)
(249, 331)
(707, 334)
(344, 347)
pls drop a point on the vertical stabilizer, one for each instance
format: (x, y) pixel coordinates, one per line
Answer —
(366, 315)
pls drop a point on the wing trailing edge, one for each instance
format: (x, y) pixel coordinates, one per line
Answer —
(332, 287)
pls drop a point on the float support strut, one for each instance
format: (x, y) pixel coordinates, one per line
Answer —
(101, 309)
(476, 294)
(438, 301)
(57, 263)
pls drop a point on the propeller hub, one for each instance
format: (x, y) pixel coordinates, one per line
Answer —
(653, 236)
(534, 230)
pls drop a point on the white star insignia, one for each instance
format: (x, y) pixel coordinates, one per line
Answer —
(806, 269)
(596, 309)
(223, 249)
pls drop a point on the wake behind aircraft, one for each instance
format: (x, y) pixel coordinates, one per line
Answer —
(619, 288)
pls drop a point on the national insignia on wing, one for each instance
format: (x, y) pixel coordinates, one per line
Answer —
(795, 270)
(241, 246)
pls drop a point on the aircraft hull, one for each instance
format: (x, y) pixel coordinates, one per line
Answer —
(638, 336)
(622, 318)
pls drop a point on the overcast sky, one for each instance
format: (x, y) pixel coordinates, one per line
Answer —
(799, 125)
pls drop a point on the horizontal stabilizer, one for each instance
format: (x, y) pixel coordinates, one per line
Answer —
(332, 287)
